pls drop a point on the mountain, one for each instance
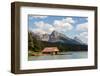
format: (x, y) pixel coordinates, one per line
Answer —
(78, 40)
(56, 37)
(42, 37)
(59, 37)
(45, 37)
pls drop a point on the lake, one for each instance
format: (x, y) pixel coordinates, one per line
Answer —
(62, 55)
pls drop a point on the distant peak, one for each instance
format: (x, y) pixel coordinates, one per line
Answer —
(55, 31)
(76, 37)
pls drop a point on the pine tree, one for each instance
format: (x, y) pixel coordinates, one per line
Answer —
(37, 44)
(34, 43)
(30, 41)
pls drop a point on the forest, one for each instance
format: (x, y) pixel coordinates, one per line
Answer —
(36, 45)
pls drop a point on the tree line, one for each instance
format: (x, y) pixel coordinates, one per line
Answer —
(36, 45)
(33, 43)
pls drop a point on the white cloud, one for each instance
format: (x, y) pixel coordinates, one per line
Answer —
(41, 17)
(51, 29)
(40, 24)
(68, 20)
(43, 27)
(82, 27)
(39, 31)
(64, 24)
(84, 34)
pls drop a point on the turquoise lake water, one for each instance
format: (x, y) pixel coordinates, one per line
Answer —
(62, 55)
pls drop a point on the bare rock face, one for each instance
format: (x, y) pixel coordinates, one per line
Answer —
(59, 37)
(55, 36)
(78, 40)
(45, 37)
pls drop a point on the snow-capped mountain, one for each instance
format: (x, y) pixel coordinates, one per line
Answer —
(45, 37)
(59, 37)
(42, 37)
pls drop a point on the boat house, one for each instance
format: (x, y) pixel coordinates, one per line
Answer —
(50, 50)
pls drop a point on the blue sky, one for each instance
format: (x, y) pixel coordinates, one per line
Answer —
(71, 26)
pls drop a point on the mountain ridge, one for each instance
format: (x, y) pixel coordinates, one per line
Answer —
(56, 36)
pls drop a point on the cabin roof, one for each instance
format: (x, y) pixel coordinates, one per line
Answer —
(50, 49)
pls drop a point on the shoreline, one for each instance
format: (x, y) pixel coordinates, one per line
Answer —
(64, 55)
(60, 53)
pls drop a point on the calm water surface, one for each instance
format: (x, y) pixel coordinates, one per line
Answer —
(62, 55)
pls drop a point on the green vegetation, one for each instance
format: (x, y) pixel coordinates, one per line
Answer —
(66, 47)
(32, 53)
(30, 41)
(35, 46)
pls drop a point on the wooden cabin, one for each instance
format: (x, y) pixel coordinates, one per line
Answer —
(50, 50)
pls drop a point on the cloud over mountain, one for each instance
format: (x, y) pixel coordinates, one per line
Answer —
(64, 24)
(58, 25)
(70, 26)
(82, 27)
